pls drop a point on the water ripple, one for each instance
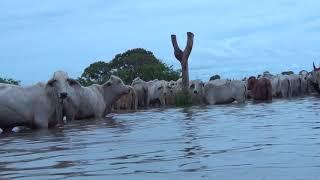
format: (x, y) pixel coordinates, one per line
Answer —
(221, 142)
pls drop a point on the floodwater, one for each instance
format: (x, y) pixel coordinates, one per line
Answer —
(279, 140)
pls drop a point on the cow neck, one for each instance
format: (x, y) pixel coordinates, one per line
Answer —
(55, 103)
(107, 96)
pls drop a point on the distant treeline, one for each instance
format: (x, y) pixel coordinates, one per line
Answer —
(128, 65)
(9, 81)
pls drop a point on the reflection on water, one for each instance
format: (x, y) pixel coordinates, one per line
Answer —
(278, 140)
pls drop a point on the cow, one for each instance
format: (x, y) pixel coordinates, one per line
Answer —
(94, 101)
(141, 89)
(312, 85)
(295, 85)
(128, 101)
(37, 106)
(280, 85)
(221, 91)
(170, 91)
(157, 92)
(62, 82)
(177, 85)
(275, 83)
(285, 86)
(304, 76)
(260, 89)
(196, 91)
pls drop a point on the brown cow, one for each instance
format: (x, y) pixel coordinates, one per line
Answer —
(128, 101)
(260, 89)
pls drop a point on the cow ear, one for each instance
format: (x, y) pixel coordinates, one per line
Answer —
(73, 82)
(159, 87)
(51, 82)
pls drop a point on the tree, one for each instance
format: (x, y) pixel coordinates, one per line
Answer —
(129, 65)
(182, 57)
(9, 81)
(214, 77)
(96, 73)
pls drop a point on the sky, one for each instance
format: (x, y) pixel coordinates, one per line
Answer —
(233, 38)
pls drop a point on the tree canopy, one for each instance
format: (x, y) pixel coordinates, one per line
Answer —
(9, 81)
(129, 65)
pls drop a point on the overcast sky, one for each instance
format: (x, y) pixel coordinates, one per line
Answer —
(232, 37)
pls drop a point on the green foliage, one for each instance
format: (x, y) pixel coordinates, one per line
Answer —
(9, 81)
(182, 99)
(214, 77)
(129, 65)
(96, 73)
(287, 72)
(158, 71)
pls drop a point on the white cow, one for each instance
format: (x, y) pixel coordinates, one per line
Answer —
(170, 91)
(285, 86)
(94, 101)
(304, 76)
(280, 85)
(37, 106)
(223, 91)
(62, 82)
(275, 83)
(196, 91)
(295, 85)
(157, 92)
(141, 88)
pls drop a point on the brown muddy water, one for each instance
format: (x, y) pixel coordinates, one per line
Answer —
(279, 140)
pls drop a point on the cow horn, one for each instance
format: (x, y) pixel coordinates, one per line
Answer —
(314, 66)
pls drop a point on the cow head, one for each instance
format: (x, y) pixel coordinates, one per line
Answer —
(196, 87)
(172, 83)
(61, 82)
(137, 80)
(114, 88)
(167, 88)
(171, 86)
(304, 75)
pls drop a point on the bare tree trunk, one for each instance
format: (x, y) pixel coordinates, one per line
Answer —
(182, 57)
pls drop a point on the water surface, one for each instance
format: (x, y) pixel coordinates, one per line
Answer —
(278, 140)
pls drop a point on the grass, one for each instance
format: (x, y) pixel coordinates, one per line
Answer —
(182, 99)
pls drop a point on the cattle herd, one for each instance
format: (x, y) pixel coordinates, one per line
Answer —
(44, 105)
